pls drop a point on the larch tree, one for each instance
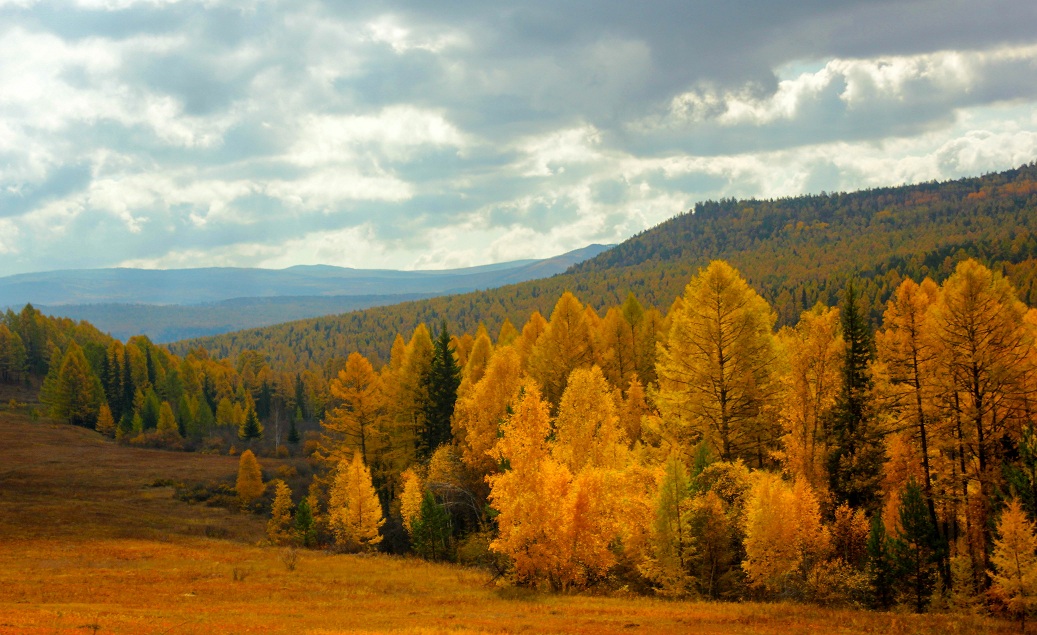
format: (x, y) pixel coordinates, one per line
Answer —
(358, 421)
(250, 479)
(279, 529)
(716, 372)
(1014, 579)
(354, 509)
(479, 413)
(411, 498)
(12, 355)
(983, 354)
(587, 430)
(618, 357)
(566, 344)
(77, 392)
(475, 366)
(669, 558)
(810, 386)
(105, 422)
(507, 334)
(167, 421)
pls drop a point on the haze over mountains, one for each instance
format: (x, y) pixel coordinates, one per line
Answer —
(172, 304)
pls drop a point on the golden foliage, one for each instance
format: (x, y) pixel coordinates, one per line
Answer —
(478, 414)
(354, 510)
(250, 480)
(1014, 579)
(279, 527)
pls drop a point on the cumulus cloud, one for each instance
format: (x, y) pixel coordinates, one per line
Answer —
(166, 133)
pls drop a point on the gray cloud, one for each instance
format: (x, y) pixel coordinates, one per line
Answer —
(409, 133)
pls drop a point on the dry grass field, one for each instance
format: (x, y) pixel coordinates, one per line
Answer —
(87, 545)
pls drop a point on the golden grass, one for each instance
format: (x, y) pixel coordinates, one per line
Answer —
(86, 546)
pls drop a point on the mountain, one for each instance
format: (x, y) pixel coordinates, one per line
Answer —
(214, 284)
(795, 251)
(174, 304)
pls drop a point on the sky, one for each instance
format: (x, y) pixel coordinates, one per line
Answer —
(430, 135)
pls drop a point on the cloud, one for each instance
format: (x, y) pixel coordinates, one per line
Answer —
(201, 132)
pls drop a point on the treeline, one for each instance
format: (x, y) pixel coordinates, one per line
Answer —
(795, 252)
(140, 393)
(703, 452)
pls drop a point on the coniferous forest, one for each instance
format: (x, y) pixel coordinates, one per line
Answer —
(827, 399)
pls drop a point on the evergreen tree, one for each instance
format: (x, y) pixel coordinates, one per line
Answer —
(305, 531)
(150, 410)
(881, 569)
(293, 433)
(1022, 475)
(917, 548)
(204, 419)
(443, 380)
(12, 355)
(251, 429)
(855, 461)
(431, 530)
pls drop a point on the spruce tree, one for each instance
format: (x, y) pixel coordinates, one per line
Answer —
(293, 433)
(881, 569)
(855, 462)
(431, 530)
(251, 429)
(444, 378)
(150, 410)
(305, 531)
(917, 548)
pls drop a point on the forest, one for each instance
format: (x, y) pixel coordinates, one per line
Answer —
(866, 453)
(795, 252)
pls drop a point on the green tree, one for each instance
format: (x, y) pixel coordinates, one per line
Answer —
(251, 429)
(917, 548)
(881, 569)
(444, 378)
(150, 410)
(305, 531)
(431, 530)
(857, 454)
(12, 355)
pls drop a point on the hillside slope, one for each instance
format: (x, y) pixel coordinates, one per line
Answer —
(795, 251)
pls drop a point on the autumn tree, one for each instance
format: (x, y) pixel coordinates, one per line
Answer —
(672, 542)
(1014, 580)
(167, 421)
(105, 423)
(565, 345)
(784, 537)
(810, 386)
(587, 430)
(250, 479)
(983, 354)
(77, 393)
(716, 372)
(478, 360)
(279, 528)
(358, 421)
(354, 510)
(411, 498)
(481, 411)
(12, 355)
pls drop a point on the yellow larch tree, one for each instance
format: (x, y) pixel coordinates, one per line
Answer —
(617, 356)
(479, 414)
(358, 421)
(716, 372)
(633, 409)
(565, 345)
(587, 430)
(105, 422)
(411, 497)
(354, 510)
(531, 332)
(1014, 579)
(249, 484)
(784, 537)
(279, 528)
(810, 387)
(167, 420)
(475, 366)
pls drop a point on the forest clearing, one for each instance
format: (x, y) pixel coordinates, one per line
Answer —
(89, 546)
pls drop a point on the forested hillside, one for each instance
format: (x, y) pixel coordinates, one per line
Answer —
(795, 252)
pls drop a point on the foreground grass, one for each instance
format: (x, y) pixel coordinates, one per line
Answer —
(87, 547)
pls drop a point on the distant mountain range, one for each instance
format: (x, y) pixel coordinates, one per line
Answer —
(172, 304)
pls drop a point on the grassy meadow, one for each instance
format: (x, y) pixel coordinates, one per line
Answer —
(89, 544)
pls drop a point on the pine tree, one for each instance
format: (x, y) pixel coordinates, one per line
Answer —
(431, 530)
(204, 419)
(857, 454)
(250, 479)
(356, 513)
(279, 528)
(1014, 558)
(293, 433)
(444, 378)
(150, 411)
(917, 548)
(251, 429)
